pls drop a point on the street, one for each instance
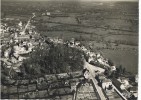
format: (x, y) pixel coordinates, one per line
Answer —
(92, 74)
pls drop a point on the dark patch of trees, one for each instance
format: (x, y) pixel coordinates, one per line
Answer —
(53, 60)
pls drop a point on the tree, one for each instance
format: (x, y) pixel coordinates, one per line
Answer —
(124, 70)
(110, 62)
(53, 60)
(120, 69)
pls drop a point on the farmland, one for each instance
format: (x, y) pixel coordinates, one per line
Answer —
(128, 59)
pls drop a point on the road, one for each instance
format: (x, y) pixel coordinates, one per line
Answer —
(123, 97)
(26, 26)
(92, 76)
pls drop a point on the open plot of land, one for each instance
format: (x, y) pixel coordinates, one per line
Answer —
(128, 59)
(68, 20)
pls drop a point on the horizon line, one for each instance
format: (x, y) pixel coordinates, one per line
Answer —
(80, 0)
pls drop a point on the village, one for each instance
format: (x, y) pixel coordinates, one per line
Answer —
(97, 81)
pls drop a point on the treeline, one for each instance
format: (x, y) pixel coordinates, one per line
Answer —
(125, 42)
(53, 60)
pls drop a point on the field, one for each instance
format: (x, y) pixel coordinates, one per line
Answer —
(110, 27)
(128, 59)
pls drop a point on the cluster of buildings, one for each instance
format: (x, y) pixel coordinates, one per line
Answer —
(109, 86)
(95, 58)
(120, 85)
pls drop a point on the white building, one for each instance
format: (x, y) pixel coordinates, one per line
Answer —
(20, 24)
(90, 59)
(77, 43)
(125, 81)
(113, 68)
(15, 35)
(6, 53)
(87, 74)
(48, 13)
(106, 83)
(136, 78)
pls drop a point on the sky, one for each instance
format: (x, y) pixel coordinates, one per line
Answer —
(70, 0)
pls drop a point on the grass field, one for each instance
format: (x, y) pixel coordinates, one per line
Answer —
(128, 59)
(127, 38)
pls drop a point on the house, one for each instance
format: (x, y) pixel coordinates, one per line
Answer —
(83, 48)
(16, 48)
(73, 86)
(20, 24)
(91, 54)
(31, 87)
(98, 55)
(134, 90)
(117, 84)
(15, 55)
(13, 96)
(22, 95)
(22, 88)
(61, 91)
(101, 60)
(12, 89)
(32, 81)
(136, 78)
(31, 95)
(23, 82)
(106, 83)
(7, 63)
(16, 40)
(4, 89)
(43, 85)
(62, 76)
(90, 59)
(11, 41)
(50, 77)
(42, 94)
(76, 74)
(48, 14)
(100, 77)
(7, 52)
(15, 35)
(86, 74)
(122, 87)
(126, 93)
(77, 43)
(113, 68)
(59, 84)
(16, 67)
(20, 58)
(13, 60)
(124, 81)
(40, 80)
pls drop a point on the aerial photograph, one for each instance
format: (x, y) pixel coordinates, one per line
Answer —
(69, 49)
